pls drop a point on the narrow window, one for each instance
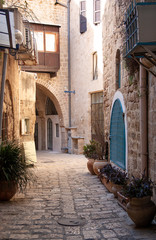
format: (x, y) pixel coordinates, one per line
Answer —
(25, 126)
(83, 20)
(57, 130)
(95, 66)
(118, 70)
(96, 11)
(97, 116)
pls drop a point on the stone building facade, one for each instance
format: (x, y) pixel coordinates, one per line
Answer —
(101, 78)
(129, 93)
(31, 91)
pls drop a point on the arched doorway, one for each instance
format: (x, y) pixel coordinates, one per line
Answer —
(118, 135)
(49, 134)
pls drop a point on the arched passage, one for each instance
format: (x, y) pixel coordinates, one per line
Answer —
(49, 121)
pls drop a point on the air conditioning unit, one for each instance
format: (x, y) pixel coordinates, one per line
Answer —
(27, 50)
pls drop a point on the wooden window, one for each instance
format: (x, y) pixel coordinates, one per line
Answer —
(57, 130)
(97, 10)
(40, 41)
(97, 116)
(50, 42)
(47, 38)
(95, 66)
(83, 19)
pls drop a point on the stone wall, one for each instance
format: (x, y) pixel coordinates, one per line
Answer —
(113, 39)
(11, 97)
(152, 127)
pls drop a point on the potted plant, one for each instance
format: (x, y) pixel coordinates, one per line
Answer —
(15, 172)
(89, 150)
(100, 158)
(118, 179)
(113, 178)
(140, 207)
(104, 176)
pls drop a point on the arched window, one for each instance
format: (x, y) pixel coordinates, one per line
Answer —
(118, 70)
(50, 107)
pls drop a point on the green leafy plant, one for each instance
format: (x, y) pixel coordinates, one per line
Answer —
(114, 174)
(89, 150)
(13, 167)
(93, 150)
(138, 187)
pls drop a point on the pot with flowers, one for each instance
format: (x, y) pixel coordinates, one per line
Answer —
(15, 172)
(113, 178)
(104, 176)
(118, 179)
(140, 207)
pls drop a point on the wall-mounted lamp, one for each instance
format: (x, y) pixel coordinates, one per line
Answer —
(57, 2)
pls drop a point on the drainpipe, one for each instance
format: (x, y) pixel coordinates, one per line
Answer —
(143, 121)
(69, 79)
(5, 56)
(69, 73)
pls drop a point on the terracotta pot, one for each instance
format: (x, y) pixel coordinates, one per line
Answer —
(90, 165)
(116, 188)
(141, 211)
(7, 190)
(108, 185)
(98, 164)
(122, 200)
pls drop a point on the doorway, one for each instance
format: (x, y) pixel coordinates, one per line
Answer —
(117, 135)
(49, 134)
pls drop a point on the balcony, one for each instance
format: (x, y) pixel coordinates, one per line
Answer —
(140, 28)
(47, 38)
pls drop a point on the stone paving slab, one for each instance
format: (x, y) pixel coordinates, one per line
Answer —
(65, 188)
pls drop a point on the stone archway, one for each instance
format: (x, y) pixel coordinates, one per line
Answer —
(42, 116)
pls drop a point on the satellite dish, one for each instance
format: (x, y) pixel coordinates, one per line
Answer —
(19, 37)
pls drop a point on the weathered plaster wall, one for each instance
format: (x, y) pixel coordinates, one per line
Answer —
(82, 48)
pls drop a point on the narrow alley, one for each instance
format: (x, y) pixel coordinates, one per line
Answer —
(65, 190)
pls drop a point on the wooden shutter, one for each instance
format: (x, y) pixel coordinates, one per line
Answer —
(96, 11)
(83, 20)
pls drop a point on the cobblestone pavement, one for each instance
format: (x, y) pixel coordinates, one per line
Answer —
(65, 188)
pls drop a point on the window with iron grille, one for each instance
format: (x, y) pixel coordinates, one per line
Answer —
(57, 130)
(95, 66)
(83, 19)
(97, 11)
(118, 70)
(97, 116)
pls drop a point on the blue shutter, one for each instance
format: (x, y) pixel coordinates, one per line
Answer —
(117, 136)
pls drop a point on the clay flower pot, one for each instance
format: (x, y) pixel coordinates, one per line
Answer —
(116, 188)
(107, 184)
(141, 211)
(90, 165)
(98, 164)
(7, 190)
(122, 200)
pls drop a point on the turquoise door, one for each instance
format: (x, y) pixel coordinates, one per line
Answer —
(117, 136)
